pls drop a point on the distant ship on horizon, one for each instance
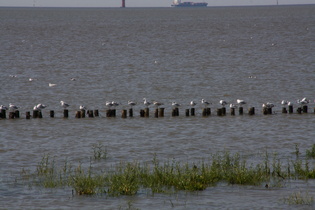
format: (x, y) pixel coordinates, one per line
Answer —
(179, 3)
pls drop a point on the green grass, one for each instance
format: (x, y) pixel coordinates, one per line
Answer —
(298, 198)
(127, 178)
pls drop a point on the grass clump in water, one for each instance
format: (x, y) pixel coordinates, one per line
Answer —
(170, 176)
(299, 198)
(311, 153)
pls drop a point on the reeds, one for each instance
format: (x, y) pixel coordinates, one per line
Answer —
(127, 178)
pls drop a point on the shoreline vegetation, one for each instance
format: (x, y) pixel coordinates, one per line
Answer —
(129, 178)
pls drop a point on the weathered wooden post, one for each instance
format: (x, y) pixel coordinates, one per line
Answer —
(35, 114)
(265, 111)
(219, 112)
(187, 112)
(82, 113)
(284, 110)
(90, 113)
(17, 114)
(161, 112)
(223, 111)
(304, 108)
(28, 115)
(192, 111)
(251, 111)
(240, 110)
(130, 112)
(3, 114)
(299, 110)
(11, 115)
(269, 110)
(65, 113)
(124, 113)
(232, 110)
(204, 112)
(40, 115)
(96, 113)
(290, 109)
(78, 114)
(147, 112)
(52, 113)
(141, 113)
(208, 111)
(156, 113)
(176, 111)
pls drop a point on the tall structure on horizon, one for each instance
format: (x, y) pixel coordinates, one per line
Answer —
(123, 3)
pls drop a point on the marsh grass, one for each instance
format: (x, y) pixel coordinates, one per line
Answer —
(311, 153)
(100, 152)
(127, 178)
(298, 198)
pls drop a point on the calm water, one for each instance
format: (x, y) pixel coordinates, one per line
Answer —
(259, 54)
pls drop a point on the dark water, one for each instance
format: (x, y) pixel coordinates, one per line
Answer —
(259, 54)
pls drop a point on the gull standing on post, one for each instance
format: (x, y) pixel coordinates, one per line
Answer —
(175, 105)
(157, 104)
(223, 103)
(64, 104)
(240, 102)
(13, 107)
(131, 103)
(146, 103)
(192, 103)
(205, 103)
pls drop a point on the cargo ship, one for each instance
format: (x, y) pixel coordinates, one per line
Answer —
(179, 3)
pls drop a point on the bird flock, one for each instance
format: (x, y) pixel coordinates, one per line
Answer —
(157, 104)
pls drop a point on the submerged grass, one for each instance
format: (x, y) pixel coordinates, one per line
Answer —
(170, 176)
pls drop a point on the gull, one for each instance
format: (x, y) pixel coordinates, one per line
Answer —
(284, 102)
(2, 107)
(240, 102)
(223, 103)
(268, 105)
(131, 103)
(52, 85)
(303, 101)
(13, 107)
(146, 103)
(206, 103)
(290, 103)
(114, 103)
(72, 79)
(30, 79)
(82, 107)
(174, 104)
(12, 75)
(108, 104)
(64, 105)
(157, 104)
(192, 103)
(40, 107)
(233, 106)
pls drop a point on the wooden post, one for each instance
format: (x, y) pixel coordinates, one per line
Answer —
(82, 113)
(269, 110)
(219, 112)
(90, 113)
(176, 111)
(113, 113)
(284, 110)
(304, 108)
(141, 113)
(28, 115)
(161, 112)
(146, 112)
(204, 112)
(3, 114)
(223, 111)
(251, 111)
(65, 113)
(187, 112)
(208, 111)
(240, 110)
(192, 111)
(156, 113)
(96, 113)
(40, 115)
(290, 109)
(78, 114)
(124, 113)
(232, 111)
(11, 115)
(52, 113)
(108, 113)
(299, 110)
(130, 112)
(265, 111)
(35, 114)
(17, 114)
(173, 113)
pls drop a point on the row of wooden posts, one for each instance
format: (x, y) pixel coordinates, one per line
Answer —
(159, 112)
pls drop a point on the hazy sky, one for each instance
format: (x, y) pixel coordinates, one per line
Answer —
(141, 3)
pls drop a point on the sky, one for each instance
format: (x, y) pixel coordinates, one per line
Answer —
(141, 3)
